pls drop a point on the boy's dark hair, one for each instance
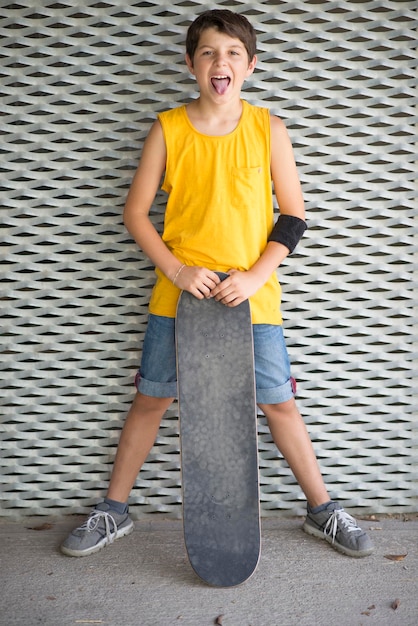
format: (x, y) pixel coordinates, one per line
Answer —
(232, 24)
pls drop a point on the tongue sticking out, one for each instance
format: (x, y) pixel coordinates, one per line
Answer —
(220, 85)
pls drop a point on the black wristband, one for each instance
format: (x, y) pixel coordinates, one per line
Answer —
(288, 230)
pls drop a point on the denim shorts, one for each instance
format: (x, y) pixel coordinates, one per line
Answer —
(157, 375)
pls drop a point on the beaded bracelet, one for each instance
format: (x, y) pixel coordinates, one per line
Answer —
(178, 273)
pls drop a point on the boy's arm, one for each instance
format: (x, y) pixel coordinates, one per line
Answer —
(199, 281)
(141, 195)
(241, 285)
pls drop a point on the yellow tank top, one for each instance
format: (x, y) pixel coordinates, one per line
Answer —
(219, 211)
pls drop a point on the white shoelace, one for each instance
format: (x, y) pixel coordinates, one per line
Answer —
(109, 522)
(344, 519)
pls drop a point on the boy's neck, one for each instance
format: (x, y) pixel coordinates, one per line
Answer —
(212, 119)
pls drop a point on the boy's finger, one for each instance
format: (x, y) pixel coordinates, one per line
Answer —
(218, 289)
(214, 276)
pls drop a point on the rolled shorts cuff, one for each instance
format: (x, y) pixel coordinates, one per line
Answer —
(156, 390)
(275, 395)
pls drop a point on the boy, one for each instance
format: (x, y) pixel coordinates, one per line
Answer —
(219, 157)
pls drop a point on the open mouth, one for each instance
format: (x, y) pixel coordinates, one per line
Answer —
(220, 83)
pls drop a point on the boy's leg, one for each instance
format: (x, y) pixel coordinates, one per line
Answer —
(156, 385)
(110, 519)
(325, 519)
(137, 438)
(292, 439)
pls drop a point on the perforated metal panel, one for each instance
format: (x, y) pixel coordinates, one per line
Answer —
(80, 84)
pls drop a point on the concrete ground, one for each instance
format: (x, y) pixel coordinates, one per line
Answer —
(145, 579)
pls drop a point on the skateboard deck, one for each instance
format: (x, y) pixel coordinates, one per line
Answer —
(218, 434)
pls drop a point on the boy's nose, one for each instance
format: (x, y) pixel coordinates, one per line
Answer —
(220, 59)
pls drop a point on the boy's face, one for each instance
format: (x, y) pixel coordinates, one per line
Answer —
(220, 65)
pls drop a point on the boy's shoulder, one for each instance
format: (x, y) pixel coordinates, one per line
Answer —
(172, 112)
(258, 114)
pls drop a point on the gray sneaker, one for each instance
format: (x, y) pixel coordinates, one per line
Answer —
(101, 529)
(339, 529)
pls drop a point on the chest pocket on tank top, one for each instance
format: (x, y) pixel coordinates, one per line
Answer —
(247, 183)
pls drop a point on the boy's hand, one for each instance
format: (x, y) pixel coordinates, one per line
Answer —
(239, 286)
(199, 281)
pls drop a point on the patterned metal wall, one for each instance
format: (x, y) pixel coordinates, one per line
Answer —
(80, 84)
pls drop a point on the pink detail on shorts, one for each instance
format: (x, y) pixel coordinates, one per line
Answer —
(137, 379)
(294, 385)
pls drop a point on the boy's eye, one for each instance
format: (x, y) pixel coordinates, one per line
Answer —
(210, 52)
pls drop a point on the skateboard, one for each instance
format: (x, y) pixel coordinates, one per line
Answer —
(218, 436)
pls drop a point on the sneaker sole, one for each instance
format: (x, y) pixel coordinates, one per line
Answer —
(319, 534)
(122, 532)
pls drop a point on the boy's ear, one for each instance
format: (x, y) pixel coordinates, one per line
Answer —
(252, 65)
(189, 63)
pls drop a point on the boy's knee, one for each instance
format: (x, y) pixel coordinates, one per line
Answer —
(280, 409)
(152, 404)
